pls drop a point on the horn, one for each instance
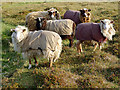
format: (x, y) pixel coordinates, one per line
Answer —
(102, 21)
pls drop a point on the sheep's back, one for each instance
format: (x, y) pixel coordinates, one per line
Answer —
(73, 15)
(43, 39)
(89, 31)
(30, 19)
(83, 31)
(62, 27)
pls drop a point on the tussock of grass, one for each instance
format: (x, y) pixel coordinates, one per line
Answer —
(99, 69)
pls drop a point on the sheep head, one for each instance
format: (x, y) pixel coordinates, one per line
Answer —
(53, 13)
(19, 33)
(107, 29)
(41, 23)
(85, 15)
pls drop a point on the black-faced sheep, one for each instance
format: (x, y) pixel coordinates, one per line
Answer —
(51, 14)
(64, 27)
(81, 16)
(38, 43)
(99, 32)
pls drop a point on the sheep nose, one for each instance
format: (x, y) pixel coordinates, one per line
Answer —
(52, 16)
(85, 15)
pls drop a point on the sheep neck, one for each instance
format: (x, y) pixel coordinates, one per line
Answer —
(23, 45)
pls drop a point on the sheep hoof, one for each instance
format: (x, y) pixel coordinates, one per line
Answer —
(54, 60)
(36, 64)
(93, 51)
(78, 54)
(29, 66)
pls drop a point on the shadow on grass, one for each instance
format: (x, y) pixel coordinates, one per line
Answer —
(40, 65)
(113, 49)
(44, 78)
(112, 74)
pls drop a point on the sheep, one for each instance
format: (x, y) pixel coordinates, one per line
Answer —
(98, 32)
(81, 16)
(64, 27)
(31, 17)
(36, 43)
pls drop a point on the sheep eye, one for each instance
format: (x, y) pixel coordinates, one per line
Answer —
(24, 30)
(50, 13)
(14, 31)
(55, 11)
(102, 22)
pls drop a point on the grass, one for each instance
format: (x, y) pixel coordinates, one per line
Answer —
(99, 69)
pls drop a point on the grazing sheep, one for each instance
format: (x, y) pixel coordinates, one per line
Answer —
(31, 17)
(64, 27)
(81, 16)
(37, 43)
(99, 32)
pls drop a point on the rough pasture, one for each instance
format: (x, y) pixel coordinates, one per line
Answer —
(100, 69)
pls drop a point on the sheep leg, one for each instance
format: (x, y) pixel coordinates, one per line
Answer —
(100, 47)
(36, 63)
(96, 44)
(79, 47)
(71, 42)
(50, 62)
(29, 64)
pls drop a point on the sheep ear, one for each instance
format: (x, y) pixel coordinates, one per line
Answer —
(24, 30)
(48, 11)
(81, 10)
(102, 21)
(12, 30)
(36, 19)
(44, 18)
(112, 21)
(89, 10)
(55, 11)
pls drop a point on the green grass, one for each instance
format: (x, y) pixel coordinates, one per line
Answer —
(99, 69)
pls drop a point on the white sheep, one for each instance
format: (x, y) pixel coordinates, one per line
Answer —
(38, 43)
(98, 32)
(107, 29)
(51, 14)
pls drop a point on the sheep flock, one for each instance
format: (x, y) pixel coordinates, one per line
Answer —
(44, 31)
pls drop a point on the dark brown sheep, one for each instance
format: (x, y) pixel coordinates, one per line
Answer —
(81, 16)
(98, 32)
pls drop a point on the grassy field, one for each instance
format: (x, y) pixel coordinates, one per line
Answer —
(99, 69)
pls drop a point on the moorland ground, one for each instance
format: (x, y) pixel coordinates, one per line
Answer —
(99, 69)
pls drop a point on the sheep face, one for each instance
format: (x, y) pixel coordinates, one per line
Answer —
(53, 13)
(84, 12)
(107, 29)
(41, 23)
(85, 15)
(19, 33)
